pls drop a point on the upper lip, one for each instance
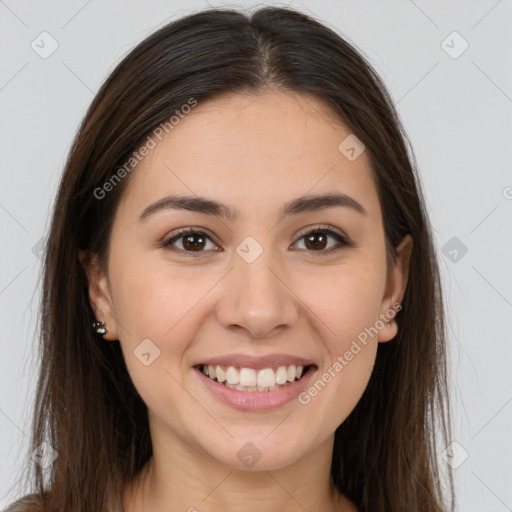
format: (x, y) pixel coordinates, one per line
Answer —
(256, 362)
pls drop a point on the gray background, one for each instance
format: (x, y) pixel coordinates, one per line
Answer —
(457, 112)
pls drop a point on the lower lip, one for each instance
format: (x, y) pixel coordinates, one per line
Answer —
(257, 400)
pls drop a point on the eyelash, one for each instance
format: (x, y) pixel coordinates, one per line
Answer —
(327, 230)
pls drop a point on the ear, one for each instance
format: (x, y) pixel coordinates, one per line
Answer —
(99, 293)
(395, 289)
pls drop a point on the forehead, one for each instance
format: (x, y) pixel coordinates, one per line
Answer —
(252, 152)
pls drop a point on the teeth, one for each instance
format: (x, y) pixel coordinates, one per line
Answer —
(249, 379)
(221, 376)
(281, 375)
(232, 376)
(266, 378)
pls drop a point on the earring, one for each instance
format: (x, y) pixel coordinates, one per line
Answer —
(99, 328)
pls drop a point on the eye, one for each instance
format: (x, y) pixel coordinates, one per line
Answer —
(195, 242)
(316, 239)
(191, 241)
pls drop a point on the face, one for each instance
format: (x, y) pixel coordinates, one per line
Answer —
(254, 294)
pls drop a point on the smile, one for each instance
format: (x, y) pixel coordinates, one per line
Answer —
(257, 389)
(252, 380)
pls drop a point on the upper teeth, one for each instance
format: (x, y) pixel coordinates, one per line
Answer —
(249, 377)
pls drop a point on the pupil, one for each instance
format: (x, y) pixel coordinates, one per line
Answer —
(189, 244)
(310, 243)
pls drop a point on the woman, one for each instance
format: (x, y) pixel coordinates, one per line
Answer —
(241, 222)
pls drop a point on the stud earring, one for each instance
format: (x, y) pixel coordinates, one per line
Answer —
(99, 328)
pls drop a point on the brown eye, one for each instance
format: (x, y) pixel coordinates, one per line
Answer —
(317, 240)
(190, 241)
(194, 242)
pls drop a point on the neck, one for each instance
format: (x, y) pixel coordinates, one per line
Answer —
(179, 478)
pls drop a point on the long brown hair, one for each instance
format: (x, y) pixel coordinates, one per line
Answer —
(87, 409)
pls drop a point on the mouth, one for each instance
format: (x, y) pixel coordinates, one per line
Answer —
(255, 380)
(259, 387)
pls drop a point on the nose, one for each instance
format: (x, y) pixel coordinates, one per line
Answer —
(256, 298)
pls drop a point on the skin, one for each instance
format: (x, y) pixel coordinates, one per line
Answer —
(254, 153)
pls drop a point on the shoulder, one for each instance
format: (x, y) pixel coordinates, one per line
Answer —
(29, 503)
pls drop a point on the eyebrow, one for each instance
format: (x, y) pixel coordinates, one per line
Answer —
(307, 203)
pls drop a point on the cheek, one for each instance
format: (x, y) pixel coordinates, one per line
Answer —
(166, 306)
(347, 308)
(161, 306)
(346, 303)
(153, 300)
